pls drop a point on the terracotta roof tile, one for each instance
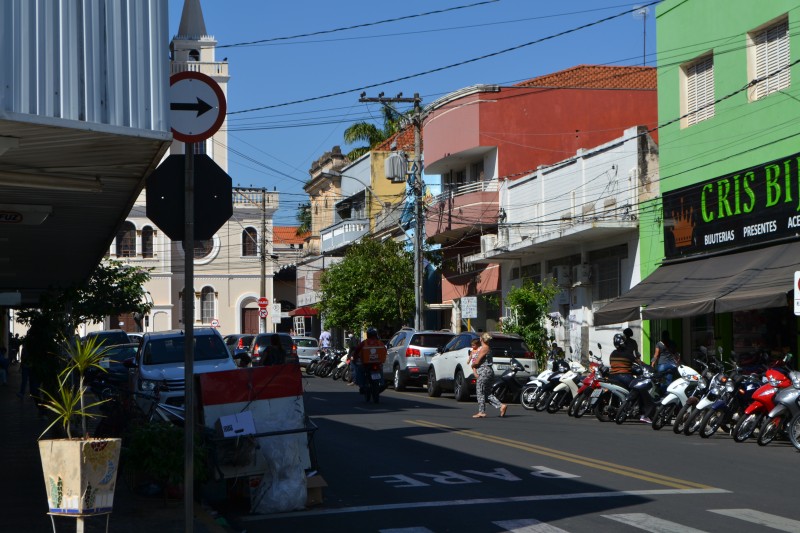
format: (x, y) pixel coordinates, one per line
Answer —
(597, 77)
(404, 138)
(287, 235)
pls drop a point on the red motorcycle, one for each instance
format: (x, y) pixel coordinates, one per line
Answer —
(590, 390)
(762, 403)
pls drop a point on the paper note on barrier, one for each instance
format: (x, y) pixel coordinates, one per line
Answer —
(237, 425)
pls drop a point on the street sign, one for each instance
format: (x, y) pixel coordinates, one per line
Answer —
(263, 302)
(797, 293)
(262, 313)
(215, 323)
(469, 307)
(196, 106)
(276, 313)
(213, 197)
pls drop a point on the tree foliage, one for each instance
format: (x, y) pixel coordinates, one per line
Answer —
(371, 134)
(303, 219)
(372, 286)
(529, 306)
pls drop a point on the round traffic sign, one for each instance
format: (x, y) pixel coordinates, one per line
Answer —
(263, 302)
(262, 313)
(196, 106)
(215, 323)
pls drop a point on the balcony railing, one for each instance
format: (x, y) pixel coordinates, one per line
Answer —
(451, 190)
(343, 233)
(212, 68)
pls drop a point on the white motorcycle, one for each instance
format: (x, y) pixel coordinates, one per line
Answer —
(567, 388)
(533, 389)
(678, 393)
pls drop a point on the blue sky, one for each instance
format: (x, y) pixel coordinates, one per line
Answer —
(272, 144)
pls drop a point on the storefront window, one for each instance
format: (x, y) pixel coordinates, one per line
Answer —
(772, 330)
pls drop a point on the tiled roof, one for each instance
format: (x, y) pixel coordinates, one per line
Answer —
(287, 235)
(597, 77)
(404, 138)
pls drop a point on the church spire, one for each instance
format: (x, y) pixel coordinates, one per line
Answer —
(193, 26)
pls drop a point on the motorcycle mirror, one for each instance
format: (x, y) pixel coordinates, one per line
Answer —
(599, 346)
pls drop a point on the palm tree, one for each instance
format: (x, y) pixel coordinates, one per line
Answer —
(369, 133)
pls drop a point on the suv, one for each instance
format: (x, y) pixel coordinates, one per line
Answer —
(160, 361)
(109, 337)
(409, 353)
(264, 349)
(449, 369)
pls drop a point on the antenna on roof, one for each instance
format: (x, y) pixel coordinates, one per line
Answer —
(641, 12)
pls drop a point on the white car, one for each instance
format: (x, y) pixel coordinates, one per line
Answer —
(307, 349)
(160, 363)
(450, 371)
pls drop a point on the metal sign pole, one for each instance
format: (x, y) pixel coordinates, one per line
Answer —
(188, 327)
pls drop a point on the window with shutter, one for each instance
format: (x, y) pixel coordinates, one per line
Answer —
(769, 58)
(699, 97)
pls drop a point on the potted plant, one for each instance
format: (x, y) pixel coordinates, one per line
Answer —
(79, 472)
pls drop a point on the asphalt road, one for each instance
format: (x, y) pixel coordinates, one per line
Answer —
(415, 464)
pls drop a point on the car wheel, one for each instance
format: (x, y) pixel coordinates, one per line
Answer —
(460, 388)
(399, 379)
(434, 390)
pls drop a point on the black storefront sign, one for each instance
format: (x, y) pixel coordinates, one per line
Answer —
(755, 205)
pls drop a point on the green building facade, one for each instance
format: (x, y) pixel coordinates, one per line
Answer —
(720, 245)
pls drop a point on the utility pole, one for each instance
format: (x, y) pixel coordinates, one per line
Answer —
(263, 320)
(418, 186)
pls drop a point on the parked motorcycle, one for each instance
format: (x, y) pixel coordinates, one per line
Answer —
(590, 389)
(532, 390)
(730, 405)
(678, 392)
(646, 382)
(710, 369)
(560, 366)
(710, 395)
(567, 388)
(506, 387)
(762, 403)
(342, 365)
(787, 407)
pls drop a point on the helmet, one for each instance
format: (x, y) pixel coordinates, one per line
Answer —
(619, 341)
(372, 332)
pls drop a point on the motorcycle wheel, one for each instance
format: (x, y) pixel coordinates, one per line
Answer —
(311, 367)
(584, 403)
(693, 422)
(663, 415)
(337, 373)
(794, 432)
(528, 397)
(711, 422)
(541, 401)
(746, 426)
(500, 392)
(622, 413)
(375, 389)
(682, 418)
(348, 375)
(573, 405)
(769, 430)
(606, 408)
(553, 401)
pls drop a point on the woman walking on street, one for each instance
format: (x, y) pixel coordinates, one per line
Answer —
(482, 367)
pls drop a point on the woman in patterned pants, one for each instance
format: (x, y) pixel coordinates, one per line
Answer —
(482, 367)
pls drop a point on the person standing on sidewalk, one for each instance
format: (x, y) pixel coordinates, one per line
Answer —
(4, 364)
(482, 367)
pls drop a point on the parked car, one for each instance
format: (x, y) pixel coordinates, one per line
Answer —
(450, 371)
(273, 349)
(108, 337)
(136, 337)
(160, 362)
(409, 353)
(307, 349)
(113, 361)
(239, 345)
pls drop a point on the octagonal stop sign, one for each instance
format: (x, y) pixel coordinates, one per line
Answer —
(213, 200)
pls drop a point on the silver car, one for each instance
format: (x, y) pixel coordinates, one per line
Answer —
(307, 349)
(409, 354)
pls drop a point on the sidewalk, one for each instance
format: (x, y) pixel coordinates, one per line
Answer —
(23, 505)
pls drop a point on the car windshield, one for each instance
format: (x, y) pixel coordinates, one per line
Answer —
(430, 340)
(171, 350)
(306, 343)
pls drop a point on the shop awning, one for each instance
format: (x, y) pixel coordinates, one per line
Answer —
(304, 311)
(733, 282)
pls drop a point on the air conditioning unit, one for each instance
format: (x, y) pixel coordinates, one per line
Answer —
(561, 274)
(582, 274)
(488, 243)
